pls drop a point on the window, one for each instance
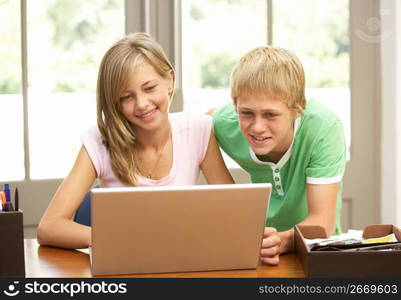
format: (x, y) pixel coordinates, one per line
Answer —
(72, 36)
(66, 40)
(317, 31)
(216, 33)
(65, 43)
(11, 123)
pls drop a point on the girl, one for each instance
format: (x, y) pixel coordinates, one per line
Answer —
(136, 141)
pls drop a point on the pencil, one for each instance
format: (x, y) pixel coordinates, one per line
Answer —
(16, 200)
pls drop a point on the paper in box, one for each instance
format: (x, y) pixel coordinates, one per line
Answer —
(369, 263)
(12, 262)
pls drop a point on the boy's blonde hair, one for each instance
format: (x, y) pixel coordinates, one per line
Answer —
(115, 71)
(270, 71)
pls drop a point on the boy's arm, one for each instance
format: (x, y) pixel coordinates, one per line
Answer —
(322, 206)
(322, 211)
(328, 161)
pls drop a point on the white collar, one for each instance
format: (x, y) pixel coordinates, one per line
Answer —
(286, 155)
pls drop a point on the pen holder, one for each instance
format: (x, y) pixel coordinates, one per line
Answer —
(12, 262)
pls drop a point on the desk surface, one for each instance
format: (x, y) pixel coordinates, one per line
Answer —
(54, 262)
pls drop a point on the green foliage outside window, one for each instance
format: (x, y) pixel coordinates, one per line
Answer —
(66, 40)
(316, 31)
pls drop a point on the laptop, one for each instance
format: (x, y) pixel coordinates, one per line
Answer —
(177, 229)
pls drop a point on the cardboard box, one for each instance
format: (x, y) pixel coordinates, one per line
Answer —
(348, 264)
(12, 262)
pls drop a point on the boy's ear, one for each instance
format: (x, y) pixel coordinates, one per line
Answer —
(296, 114)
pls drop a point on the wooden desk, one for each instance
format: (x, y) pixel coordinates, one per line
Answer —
(54, 262)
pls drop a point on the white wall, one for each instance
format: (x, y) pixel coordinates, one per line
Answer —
(390, 38)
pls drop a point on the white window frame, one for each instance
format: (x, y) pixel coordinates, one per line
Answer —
(390, 47)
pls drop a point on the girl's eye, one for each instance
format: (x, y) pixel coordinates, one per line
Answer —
(246, 113)
(124, 98)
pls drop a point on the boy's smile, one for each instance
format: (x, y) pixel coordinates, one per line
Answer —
(268, 125)
(259, 140)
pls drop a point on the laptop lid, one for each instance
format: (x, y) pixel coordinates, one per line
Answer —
(177, 229)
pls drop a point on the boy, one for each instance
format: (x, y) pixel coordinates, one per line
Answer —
(274, 134)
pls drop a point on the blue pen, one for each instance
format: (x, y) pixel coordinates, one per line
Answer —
(9, 206)
(7, 192)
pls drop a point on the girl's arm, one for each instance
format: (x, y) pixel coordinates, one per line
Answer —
(213, 166)
(56, 227)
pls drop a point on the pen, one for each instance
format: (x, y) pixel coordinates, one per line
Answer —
(16, 200)
(9, 206)
(7, 192)
(356, 247)
(379, 246)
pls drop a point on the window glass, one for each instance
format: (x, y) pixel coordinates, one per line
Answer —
(317, 32)
(66, 41)
(216, 33)
(11, 117)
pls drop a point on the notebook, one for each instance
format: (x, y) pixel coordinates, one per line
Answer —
(177, 229)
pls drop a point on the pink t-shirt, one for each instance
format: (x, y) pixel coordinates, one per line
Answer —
(190, 134)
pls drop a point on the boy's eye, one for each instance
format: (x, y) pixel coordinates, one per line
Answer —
(150, 88)
(246, 113)
(271, 115)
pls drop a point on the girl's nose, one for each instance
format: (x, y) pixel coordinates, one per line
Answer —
(142, 102)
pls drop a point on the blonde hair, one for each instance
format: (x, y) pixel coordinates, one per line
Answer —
(117, 65)
(270, 71)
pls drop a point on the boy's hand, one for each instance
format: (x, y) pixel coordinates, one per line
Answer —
(270, 246)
